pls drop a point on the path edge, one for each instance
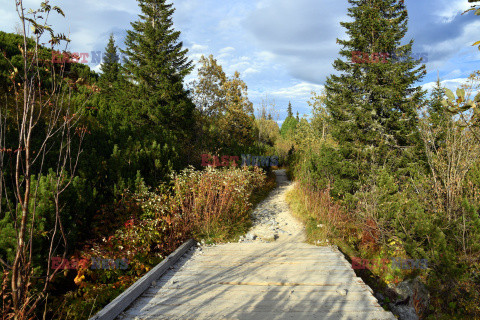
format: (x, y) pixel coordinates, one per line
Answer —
(120, 303)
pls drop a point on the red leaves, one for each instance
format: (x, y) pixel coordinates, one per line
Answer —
(9, 150)
(81, 131)
(129, 223)
(370, 234)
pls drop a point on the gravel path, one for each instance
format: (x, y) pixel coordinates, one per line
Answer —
(270, 274)
(272, 219)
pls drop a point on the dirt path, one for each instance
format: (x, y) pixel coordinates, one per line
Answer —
(270, 274)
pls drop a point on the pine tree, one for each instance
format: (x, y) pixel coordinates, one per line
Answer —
(110, 102)
(438, 118)
(111, 66)
(156, 65)
(298, 117)
(373, 105)
(289, 109)
(435, 109)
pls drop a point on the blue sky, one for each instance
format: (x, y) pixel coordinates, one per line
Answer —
(283, 49)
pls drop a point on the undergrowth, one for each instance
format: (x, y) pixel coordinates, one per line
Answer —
(212, 205)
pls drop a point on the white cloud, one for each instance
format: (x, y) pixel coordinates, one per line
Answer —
(199, 47)
(97, 68)
(195, 56)
(250, 71)
(450, 9)
(454, 73)
(300, 90)
(239, 66)
(184, 9)
(265, 55)
(451, 84)
(119, 5)
(226, 50)
(225, 53)
(230, 23)
(454, 83)
(263, 4)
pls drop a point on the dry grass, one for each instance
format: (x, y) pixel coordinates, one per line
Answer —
(325, 221)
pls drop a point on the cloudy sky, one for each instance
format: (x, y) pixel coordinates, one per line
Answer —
(283, 49)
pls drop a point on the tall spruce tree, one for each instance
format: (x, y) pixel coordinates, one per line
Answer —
(438, 118)
(435, 109)
(373, 102)
(289, 110)
(156, 65)
(109, 102)
(111, 65)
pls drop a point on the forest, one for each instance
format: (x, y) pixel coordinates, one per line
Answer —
(104, 174)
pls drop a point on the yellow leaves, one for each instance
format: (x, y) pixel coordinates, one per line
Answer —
(395, 247)
(13, 74)
(477, 43)
(223, 100)
(79, 278)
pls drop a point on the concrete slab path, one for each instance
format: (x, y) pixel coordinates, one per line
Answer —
(270, 274)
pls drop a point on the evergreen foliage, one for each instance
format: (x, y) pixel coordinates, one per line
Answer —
(373, 106)
(435, 108)
(289, 110)
(111, 64)
(155, 67)
(359, 161)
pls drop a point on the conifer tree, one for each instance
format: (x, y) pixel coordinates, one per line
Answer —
(109, 103)
(435, 109)
(111, 65)
(289, 109)
(438, 118)
(156, 65)
(373, 103)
